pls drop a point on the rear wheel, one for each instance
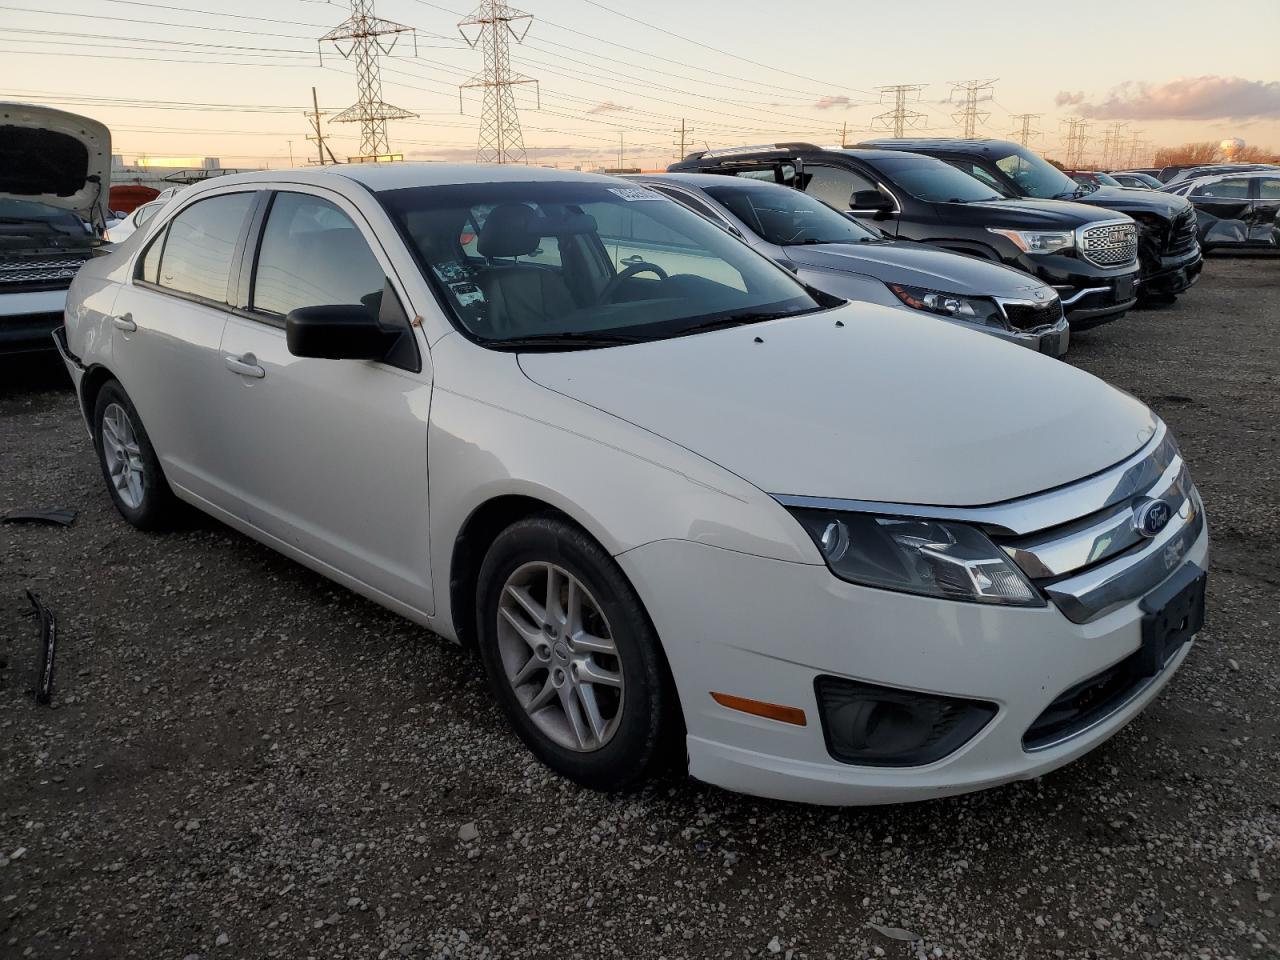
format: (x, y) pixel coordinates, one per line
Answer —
(572, 657)
(129, 464)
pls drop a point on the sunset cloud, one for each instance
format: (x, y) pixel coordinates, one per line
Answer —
(1187, 98)
(607, 106)
(827, 102)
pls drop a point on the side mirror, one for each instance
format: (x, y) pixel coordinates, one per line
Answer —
(870, 201)
(352, 332)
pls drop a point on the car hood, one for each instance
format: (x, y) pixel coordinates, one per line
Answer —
(56, 158)
(1133, 200)
(885, 407)
(918, 265)
(1033, 214)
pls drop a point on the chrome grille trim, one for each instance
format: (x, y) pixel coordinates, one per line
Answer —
(41, 271)
(1113, 243)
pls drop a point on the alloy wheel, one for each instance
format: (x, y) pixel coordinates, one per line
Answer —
(123, 456)
(559, 656)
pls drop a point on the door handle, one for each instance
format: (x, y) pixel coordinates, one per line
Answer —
(245, 366)
(124, 322)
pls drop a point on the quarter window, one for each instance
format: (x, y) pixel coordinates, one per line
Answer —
(313, 255)
(201, 243)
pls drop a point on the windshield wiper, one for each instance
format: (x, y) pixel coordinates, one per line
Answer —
(742, 319)
(568, 339)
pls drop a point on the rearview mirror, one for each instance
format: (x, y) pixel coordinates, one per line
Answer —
(353, 332)
(870, 201)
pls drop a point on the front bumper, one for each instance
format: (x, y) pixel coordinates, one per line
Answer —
(765, 629)
(1052, 341)
(1091, 295)
(1172, 277)
(27, 319)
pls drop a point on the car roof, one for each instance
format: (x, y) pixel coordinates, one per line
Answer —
(700, 180)
(783, 151)
(395, 176)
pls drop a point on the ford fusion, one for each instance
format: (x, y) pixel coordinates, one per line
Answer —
(684, 507)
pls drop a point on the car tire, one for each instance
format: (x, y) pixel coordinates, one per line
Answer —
(550, 668)
(129, 464)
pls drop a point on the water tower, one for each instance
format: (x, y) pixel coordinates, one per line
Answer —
(1230, 147)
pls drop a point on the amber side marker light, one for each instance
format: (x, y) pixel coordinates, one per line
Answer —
(771, 711)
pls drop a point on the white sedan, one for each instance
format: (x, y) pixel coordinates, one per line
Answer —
(120, 230)
(814, 550)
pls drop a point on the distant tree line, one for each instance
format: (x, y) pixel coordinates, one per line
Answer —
(1208, 152)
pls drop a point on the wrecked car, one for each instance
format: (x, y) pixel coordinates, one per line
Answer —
(1236, 210)
(54, 173)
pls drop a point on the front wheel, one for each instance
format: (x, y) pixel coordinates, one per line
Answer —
(572, 657)
(129, 464)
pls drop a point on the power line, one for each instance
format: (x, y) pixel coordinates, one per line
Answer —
(363, 30)
(899, 118)
(500, 139)
(973, 92)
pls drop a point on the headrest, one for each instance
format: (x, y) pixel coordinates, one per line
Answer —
(508, 231)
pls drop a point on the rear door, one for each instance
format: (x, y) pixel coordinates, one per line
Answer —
(1226, 199)
(167, 328)
(1264, 219)
(330, 456)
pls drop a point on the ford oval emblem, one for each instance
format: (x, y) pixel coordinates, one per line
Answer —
(1150, 517)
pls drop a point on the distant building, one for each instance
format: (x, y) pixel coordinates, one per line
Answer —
(161, 172)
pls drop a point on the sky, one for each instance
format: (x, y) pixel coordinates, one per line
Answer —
(615, 80)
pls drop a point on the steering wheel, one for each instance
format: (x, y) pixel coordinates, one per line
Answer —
(631, 269)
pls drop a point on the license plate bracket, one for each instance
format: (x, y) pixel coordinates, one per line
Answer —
(1173, 613)
(1124, 289)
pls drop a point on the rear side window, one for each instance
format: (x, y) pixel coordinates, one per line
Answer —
(1233, 189)
(1269, 188)
(199, 245)
(312, 255)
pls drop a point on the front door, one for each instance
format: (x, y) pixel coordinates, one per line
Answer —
(330, 456)
(836, 186)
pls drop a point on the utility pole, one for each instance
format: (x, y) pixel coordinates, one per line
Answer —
(500, 138)
(973, 92)
(844, 134)
(683, 134)
(362, 31)
(1025, 132)
(318, 136)
(290, 142)
(899, 118)
(1075, 141)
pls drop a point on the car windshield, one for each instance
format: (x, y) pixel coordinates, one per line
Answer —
(788, 217)
(560, 264)
(934, 181)
(31, 211)
(1036, 176)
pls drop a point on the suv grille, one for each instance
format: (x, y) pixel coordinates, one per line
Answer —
(1110, 245)
(54, 273)
(1182, 235)
(1026, 316)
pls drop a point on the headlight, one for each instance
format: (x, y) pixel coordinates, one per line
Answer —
(1038, 241)
(973, 309)
(935, 558)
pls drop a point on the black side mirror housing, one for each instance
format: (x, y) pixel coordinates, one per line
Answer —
(871, 201)
(354, 332)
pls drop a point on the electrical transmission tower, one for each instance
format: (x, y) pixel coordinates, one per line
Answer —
(1025, 131)
(899, 118)
(1139, 149)
(500, 138)
(1113, 144)
(1075, 141)
(973, 93)
(361, 31)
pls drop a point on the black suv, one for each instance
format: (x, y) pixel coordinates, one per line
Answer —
(1168, 252)
(1088, 256)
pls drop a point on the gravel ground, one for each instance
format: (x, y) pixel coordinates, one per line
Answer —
(244, 760)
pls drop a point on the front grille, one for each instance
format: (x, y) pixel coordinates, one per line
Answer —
(1110, 244)
(1027, 316)
(57, 271)
(1182, 236)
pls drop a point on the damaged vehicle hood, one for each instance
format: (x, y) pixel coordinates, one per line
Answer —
(886, 406)
(917, 265)
(55, 158)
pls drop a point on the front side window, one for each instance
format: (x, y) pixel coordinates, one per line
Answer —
(833, 185)
(1036, 176)
(788, 217)
(200, 244)
(628, 263)
(980, 172)
(1233, 188)
(933, 181)
(312, 255)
